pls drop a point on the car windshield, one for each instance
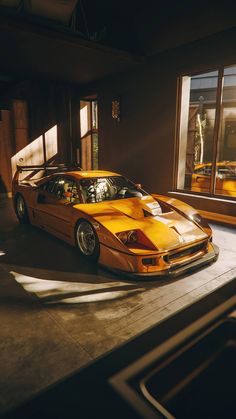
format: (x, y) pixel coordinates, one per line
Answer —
(109, 188)
(226, 172)
(222, 171)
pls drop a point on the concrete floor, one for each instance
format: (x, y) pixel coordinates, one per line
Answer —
(58, 313)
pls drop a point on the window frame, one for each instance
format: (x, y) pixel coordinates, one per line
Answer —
(216, 133)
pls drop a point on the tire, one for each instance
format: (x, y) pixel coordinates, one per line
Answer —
(87, 240)
(21, 209)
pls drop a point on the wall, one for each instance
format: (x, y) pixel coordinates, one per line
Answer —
(174, 23)
(51, 103)
(34, 108)
(6, 151)
(142, 145)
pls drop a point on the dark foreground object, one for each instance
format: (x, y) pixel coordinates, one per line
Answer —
(183, 367)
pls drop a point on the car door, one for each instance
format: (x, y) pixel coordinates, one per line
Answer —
(55, 206)
(41, 200)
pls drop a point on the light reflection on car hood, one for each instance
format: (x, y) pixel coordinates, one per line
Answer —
(165, 230)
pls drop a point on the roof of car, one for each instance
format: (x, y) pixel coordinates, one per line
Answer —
(220, 163)
(91, 173)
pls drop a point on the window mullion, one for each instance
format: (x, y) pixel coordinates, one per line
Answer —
(217, 126)
(44, 148)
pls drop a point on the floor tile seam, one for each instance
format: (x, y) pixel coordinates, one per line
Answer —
(42, 308)
(57, 321)
(171, 302)
(158, 297)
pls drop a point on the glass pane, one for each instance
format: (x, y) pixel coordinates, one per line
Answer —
(89, 134)
(95, 150)
(95, 114)
(86, 152)
(85, 119)
(226, 161)
(198, 108)
(95, 134)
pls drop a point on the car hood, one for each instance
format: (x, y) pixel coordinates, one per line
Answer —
(165, 230)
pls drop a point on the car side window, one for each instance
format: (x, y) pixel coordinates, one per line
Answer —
(75, 197)
(54, 187)
(199, 171)
(207, 171)
(58, 189)
(66, 189)
(63, 188)
(49, 186)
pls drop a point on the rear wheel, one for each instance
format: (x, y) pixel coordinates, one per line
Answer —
(21, 209)
(87, 240)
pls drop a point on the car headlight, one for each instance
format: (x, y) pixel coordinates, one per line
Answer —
(128, 236)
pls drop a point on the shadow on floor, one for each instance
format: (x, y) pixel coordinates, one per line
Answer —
(54, 271)
(72, 289)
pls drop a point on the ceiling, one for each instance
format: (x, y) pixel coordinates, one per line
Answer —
(131, 25)
(36, 47)
(81, 41)
(57, 10)
(147, 27)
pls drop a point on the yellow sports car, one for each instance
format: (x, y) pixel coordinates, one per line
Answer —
(114, 221)
(225, 178)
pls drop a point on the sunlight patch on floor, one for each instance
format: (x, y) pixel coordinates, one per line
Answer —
(92, 298)
(63, 292)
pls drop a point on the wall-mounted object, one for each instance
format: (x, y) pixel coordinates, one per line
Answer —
(115, 109)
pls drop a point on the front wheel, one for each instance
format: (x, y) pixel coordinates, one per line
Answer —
(87, 240)
(21, 210)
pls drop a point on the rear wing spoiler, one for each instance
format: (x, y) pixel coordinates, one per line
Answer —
(58, 167)
(34, 169)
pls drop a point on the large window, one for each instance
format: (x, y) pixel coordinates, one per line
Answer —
(207, 146)
(89, 134)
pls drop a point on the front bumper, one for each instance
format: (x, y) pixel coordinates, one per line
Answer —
(177, 269)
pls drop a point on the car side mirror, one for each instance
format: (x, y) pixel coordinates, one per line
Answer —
(138, 185)
(41, 199)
